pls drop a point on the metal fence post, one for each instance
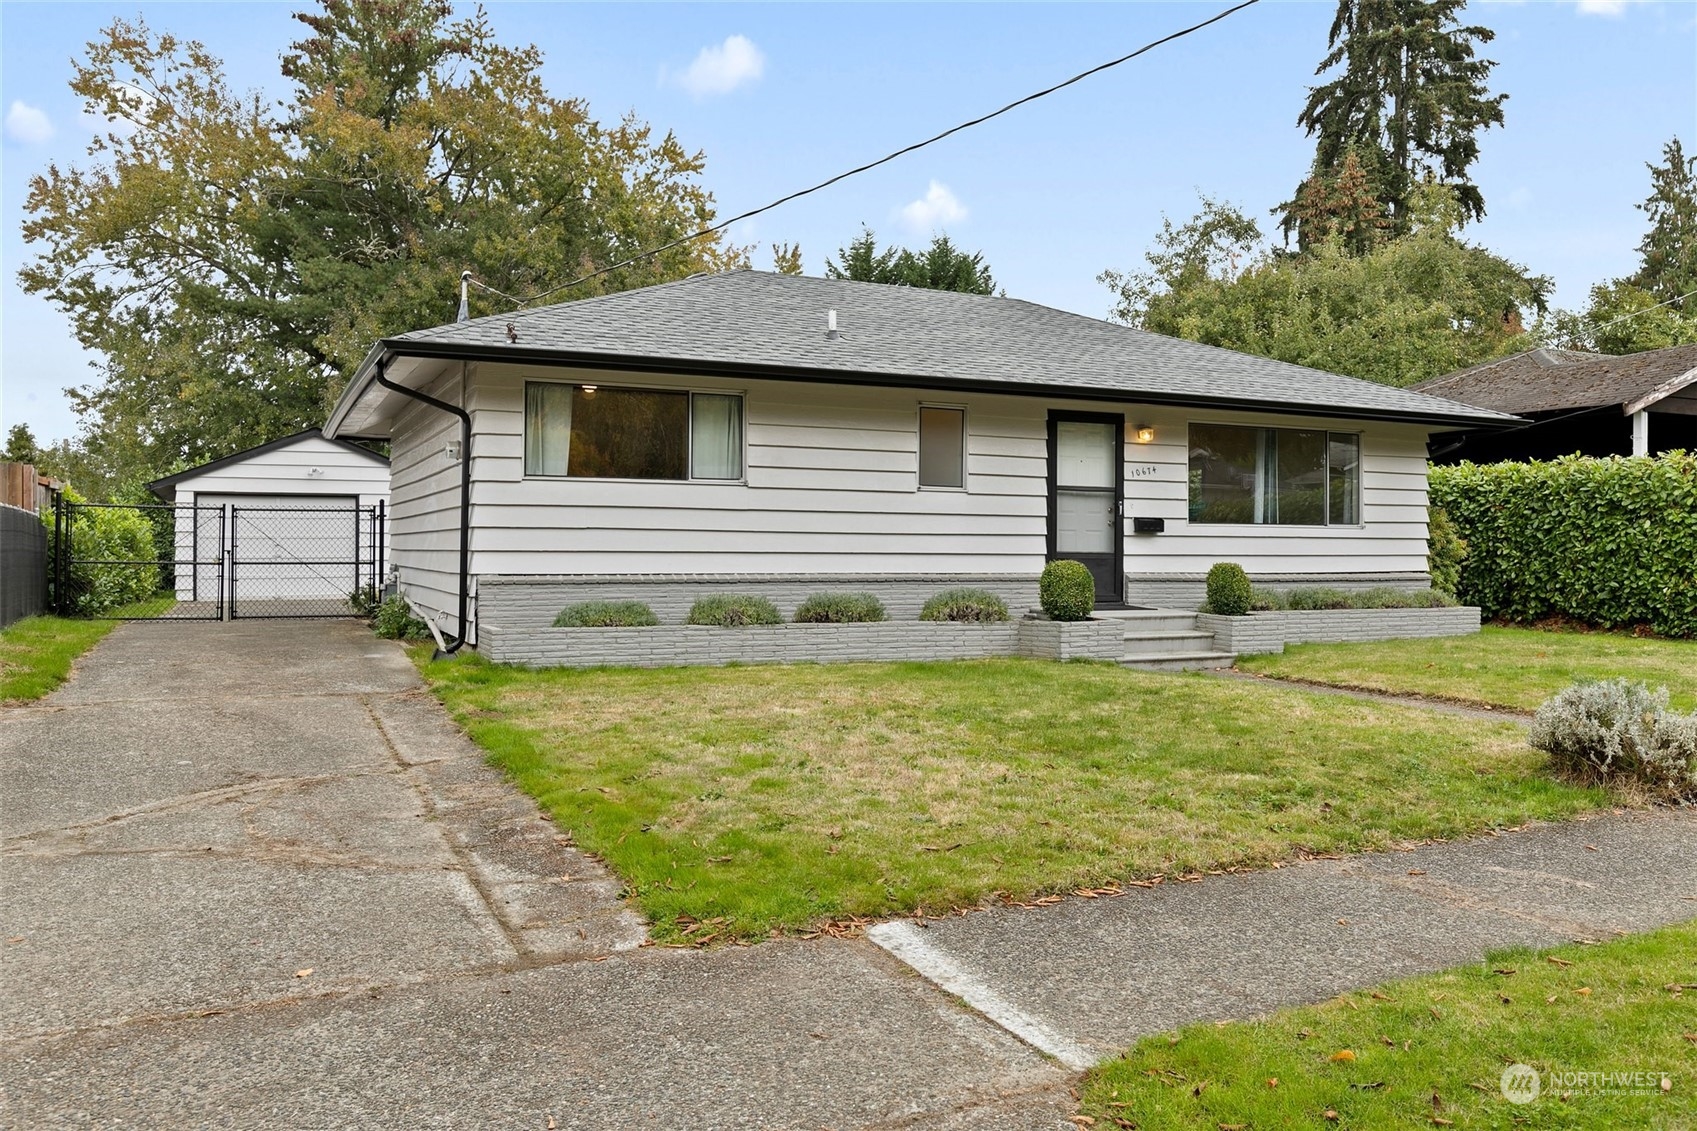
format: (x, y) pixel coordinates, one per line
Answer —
(227, 584)
(58, 572)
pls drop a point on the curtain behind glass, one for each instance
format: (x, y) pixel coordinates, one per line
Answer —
(716, 437)
(547, 428)
(1344, 472)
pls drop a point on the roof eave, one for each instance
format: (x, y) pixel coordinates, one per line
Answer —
(356, 390)
(390, 348)
(1660, 392)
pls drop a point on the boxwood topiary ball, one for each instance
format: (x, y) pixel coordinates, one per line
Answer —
(1066, 591)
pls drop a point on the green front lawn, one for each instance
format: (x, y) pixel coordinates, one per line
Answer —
(1517, 668)
(778, 797)
(1430, 1051)
(36, 653)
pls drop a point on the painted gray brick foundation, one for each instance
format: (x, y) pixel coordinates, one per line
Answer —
(506, 604)
(1189, 590)
(1271, 631)
(695, 645)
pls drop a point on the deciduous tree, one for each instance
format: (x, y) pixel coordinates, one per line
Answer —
(1404, 311)
(232, 259)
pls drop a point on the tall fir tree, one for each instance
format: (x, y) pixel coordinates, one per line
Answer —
(1409, 99)
(1668, 251)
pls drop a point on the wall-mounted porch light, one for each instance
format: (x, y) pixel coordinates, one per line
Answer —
(1145, 433)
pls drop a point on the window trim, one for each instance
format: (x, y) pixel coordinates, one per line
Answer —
(918, 438)
(690, 391)
(1326, 502)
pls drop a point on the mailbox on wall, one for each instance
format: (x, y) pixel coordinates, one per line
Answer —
(1148, 525)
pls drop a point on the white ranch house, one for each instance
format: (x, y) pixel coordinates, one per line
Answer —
(786, 434)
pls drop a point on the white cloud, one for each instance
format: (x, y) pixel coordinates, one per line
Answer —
(27, 125)
(1603, 7)
(936, 208)
(722, 68)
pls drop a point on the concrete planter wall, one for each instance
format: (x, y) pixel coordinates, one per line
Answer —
(1072, 640)
(1271, 631)
(533, 602)
(696, 645)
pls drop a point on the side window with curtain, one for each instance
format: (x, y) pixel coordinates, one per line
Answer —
(592, 432)
(715, 436)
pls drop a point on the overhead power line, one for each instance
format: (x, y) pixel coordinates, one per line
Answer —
(918, 145)
(1646, 310)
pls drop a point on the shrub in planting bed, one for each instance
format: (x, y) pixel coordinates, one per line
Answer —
(731, 610)
(968, 606)
(606, 614)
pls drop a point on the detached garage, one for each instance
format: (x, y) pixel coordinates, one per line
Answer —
(290, 528)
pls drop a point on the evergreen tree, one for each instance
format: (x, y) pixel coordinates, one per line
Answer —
(940, 267)
(1340, 206)
(1652, 308)
(1410, 100)
(1668, 251)
(21, 446)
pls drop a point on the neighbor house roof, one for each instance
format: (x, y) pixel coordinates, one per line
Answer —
(166, 487)
(1546, 380)
(752, 323)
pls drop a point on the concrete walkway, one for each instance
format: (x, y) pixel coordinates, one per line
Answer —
(255, 878)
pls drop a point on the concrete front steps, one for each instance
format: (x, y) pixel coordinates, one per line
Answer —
(1166, 640)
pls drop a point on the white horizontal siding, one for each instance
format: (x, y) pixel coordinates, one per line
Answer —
(831, 488)
(424, 504)
(1390, 539)
(288, 471)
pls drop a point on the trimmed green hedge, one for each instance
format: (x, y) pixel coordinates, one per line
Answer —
(1608, 541)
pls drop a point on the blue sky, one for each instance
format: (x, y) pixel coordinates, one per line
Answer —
(780, 96)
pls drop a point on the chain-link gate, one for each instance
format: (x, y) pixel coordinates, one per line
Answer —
(187, 562)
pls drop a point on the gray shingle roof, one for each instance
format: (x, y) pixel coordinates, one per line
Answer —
(1553, 380)
(774, 325)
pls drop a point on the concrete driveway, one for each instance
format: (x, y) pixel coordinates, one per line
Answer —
(254, 877)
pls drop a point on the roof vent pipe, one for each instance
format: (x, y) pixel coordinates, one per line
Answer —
(831, 331)
(465, 297)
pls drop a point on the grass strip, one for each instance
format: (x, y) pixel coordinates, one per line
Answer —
(778, 797)
(1517, 668)
(36, 653)
(1431, 1051)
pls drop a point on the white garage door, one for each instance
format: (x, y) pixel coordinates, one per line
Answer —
(288, 548)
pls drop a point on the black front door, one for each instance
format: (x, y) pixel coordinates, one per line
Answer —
(1086, 497)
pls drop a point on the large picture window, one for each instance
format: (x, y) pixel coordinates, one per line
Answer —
(586, 431)
(1285, 476)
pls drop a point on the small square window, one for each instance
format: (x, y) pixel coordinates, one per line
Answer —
(942, 447)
